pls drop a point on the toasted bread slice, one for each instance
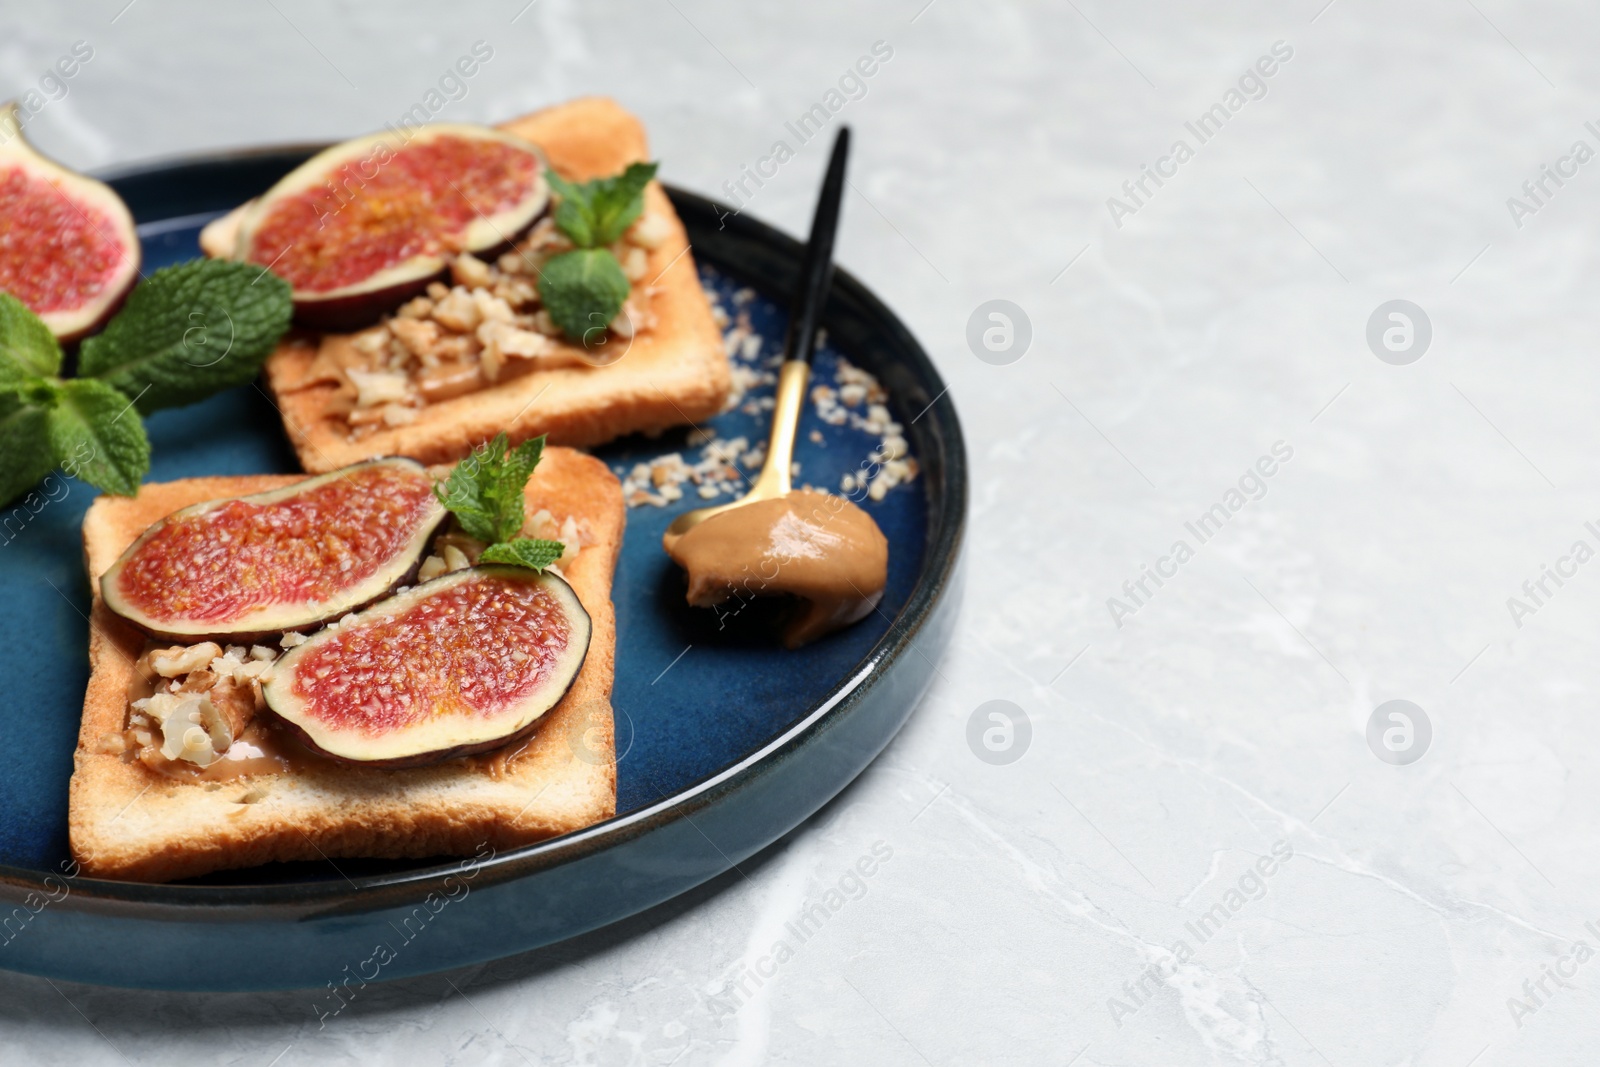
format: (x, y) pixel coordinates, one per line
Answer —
(674, 373)
(127, 821)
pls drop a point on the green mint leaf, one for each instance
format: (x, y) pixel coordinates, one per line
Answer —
(462, 492)
(618, 201)
(509, 485)
(535, 554)
(595, 213)
(583, 291)
(485, 490)
(573, 216)
(96, 435)
(25, 454)
(28, 350)
(190, 331)
(475, 522)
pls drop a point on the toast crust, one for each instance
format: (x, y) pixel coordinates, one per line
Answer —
(677, 372)
(129, 822)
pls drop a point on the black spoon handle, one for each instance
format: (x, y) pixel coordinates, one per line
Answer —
(816, 272)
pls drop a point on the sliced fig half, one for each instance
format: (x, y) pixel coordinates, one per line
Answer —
(360, 227)
(68, 247)
(461, 664)
(289, 559)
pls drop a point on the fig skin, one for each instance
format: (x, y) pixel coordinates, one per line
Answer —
(361, 303)
(422, 759)
(76, 323)
(360, 310)
(421, 541)
(276, 690)
(356, 311)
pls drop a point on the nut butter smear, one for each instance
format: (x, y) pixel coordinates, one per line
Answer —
(820, 548)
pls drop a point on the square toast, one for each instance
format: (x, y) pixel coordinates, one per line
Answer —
(674, 373)
(127, 821)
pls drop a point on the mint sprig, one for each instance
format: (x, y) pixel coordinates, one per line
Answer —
(595, 213)
(185, 333)
(485, 493)
(583, 290)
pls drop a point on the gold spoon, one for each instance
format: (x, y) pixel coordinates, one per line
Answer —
(816, 274)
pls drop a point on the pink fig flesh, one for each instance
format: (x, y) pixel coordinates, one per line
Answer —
(68, 246)
(289, 559)
(461, 664)
(362, 226)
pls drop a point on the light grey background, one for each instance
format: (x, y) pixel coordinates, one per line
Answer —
(1229, 712)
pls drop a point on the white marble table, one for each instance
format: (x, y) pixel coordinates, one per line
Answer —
(1029, 911)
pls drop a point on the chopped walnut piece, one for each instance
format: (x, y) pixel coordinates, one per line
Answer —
(376, 388)
(491, 361)
(634, 317)
(398, 414)
(622, 325)
(512, 340)
(492, 308)
(181, 660)
(191, 725)
(470, 548)
(457, 346)
(545, 238)
(636, 264)
(235, 701)
(416, 308)
(567, 531)
(391, 415)
(458, 311)
(571, 542)
(516, 292)
(198, 682)
(370, 342)
(233, 662)
(419, 336)
(470, 271)
(651, 231)
(503, 341)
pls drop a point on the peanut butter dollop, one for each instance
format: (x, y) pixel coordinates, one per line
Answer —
(814, 546)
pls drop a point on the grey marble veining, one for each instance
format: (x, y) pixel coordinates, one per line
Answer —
(1064, 907)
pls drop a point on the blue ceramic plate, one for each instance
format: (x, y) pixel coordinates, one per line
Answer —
(724, 741)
